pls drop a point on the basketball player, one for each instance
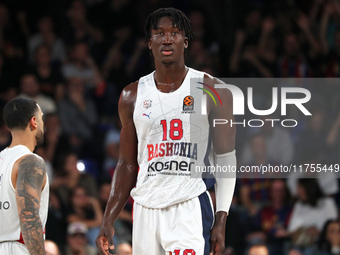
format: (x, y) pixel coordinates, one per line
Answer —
(163, 138)
(23, 181)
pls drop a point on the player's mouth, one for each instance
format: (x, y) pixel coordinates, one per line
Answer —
(167, 52)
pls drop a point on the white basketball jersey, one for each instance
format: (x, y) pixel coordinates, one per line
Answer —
(9, 217)
(172, 141)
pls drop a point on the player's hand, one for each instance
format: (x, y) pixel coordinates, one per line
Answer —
(217, 239)
(104, 241)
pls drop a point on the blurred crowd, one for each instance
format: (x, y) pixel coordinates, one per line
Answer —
(74, 58)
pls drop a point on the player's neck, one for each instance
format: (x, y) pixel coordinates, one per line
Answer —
(22, 138)
(170, 73)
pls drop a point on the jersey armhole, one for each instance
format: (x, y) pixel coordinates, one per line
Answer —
(136, 100)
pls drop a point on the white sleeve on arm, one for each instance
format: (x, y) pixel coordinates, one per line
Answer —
(225, 181)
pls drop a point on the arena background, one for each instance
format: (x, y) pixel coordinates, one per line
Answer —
(74, 58)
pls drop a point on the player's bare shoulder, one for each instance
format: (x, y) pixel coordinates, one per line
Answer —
(128, 98)
(27, 166)
(32, 169)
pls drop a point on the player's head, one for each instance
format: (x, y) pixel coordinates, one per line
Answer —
(124, 249)
(167, 32)
(51, 248)
(24, 114)
(76, 235)
(258, 249)
(309, 191)
(330, 235)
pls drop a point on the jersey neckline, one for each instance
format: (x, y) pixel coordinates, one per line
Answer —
(172, 92)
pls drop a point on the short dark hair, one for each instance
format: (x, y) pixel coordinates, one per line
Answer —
(179, 20)
(323, 243)
(18, 112)
(312, 189)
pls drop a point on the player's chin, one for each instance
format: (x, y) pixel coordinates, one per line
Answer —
(168, 60)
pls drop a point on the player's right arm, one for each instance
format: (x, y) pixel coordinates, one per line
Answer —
(125, 176)
(31, 179)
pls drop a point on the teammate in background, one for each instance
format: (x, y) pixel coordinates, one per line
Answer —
(163, 138)
(23, 181)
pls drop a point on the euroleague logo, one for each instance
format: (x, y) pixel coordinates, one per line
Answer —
(188, 104)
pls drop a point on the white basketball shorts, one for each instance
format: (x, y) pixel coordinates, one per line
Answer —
(11, 248)
(181, 229)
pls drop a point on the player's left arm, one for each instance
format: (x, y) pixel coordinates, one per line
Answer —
(30, 182)
(223, 136)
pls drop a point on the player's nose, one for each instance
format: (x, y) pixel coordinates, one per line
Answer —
(167, 38)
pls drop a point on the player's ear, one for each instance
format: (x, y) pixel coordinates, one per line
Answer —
(33, 123)
(149, 44)
(186, 42)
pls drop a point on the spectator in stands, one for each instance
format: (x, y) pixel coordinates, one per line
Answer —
(46, 36)
(271, 222)
(48, 75)
(55, 141)
(114, 67)
(11, 38)
(282, 154)
(313, 140)
(77, 242)
(310, 213)
(79, 28)
(85, 209)
(328, 24)
(293, 63)
(327, 182)
(258, 249)
(137, 63)
(51, 248)
(254, 190)
(200, 26)
(235, 59)
(332, 65)
(197, 55)
(30, 88)
(77, 113)
(69, 177)
(124, 249)
(329, 240)
(314, 146)
(255, 61)
(82, 66)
